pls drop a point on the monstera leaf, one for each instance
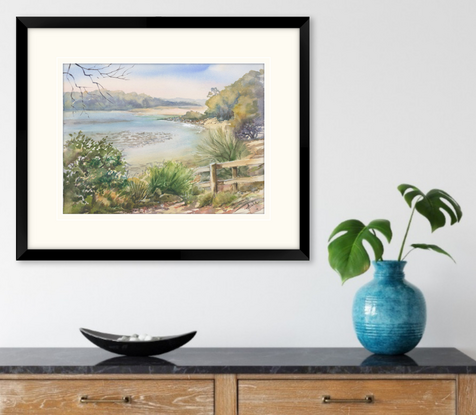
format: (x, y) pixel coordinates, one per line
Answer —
(432, 248)
(347, 254)
(432, 205)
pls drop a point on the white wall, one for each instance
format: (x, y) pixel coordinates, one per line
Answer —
(393, 101)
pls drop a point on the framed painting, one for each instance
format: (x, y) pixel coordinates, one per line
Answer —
(163, 138)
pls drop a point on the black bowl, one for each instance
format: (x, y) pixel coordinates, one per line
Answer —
(111, 343)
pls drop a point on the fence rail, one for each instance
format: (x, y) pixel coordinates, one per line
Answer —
(235, 180)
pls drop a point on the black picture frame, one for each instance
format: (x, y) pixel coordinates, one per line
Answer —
(23, 253)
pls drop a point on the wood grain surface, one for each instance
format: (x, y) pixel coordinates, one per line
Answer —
(62, 397)
(273, 376)
(304, 397)
(467, 395)
(226, 395)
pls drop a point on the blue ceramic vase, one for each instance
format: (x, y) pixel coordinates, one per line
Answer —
(389, 313)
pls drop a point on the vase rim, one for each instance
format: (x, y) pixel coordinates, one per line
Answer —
(389, 261)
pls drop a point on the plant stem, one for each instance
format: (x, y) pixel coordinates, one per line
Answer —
(408, 253)
(406, 234)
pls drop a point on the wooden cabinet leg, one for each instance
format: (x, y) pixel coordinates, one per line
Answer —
(467, 395)
(226, 395)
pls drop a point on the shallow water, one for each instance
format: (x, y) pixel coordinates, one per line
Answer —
(144, 139)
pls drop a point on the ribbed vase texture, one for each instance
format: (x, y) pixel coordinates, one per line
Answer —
(389, 313)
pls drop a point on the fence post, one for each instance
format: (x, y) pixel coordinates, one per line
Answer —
(213, 179)
(234, 175)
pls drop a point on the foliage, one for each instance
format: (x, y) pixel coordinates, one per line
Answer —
(213, 91)
(108, 202)
(105, 202)
(196, 190)
(220, 199)
(347, 254)
(171, 177)
(91, 167)
(431, 248)
(192, 116)
(193, 195)
(205, 199)
(137, 189)
(432, 205)
(241, 102)
(224, 199)
(250, 130)
(221, 145)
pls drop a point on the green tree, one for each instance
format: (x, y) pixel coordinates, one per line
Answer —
(241, 102)
(192, 116)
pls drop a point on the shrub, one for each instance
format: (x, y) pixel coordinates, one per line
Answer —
(192, 195)
(196, 190)
(221, 145)
(224, 198)
(251, 187)
(205, 199)
(137, 189)
(106, 202)
(172, 177)
(249, 130)
(109, 202)
(91, 167)
(192, 115)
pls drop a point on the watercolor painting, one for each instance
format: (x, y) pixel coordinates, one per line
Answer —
(163, 138)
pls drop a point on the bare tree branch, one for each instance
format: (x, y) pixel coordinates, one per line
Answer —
(95, 72)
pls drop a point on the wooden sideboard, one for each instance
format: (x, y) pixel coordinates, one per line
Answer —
(250, 387)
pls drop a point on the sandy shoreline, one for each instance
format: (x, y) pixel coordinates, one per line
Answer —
(168, 110)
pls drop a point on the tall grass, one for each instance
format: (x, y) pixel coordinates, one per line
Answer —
(224, 199)
(221, 145)
(172, 177)
(137, 189)
(205, 199)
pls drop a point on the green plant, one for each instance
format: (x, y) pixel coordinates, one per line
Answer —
(241, 102)
(224, 199)
(205, 199)
(137, 189)
(220, 199)
(192, 115)
(347, 254)
(90, 168)
(196, 190)
(221, 145)
(171, 177)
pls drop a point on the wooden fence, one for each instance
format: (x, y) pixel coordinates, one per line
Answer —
(235, 180)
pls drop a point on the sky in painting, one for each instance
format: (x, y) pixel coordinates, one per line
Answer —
(167, 80)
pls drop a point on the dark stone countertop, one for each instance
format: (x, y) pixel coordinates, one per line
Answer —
(234, 360)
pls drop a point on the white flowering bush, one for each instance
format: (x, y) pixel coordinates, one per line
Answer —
(91, 168)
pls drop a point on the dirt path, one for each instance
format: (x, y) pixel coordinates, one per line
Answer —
(249, 204)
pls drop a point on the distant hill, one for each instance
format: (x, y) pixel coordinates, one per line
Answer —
(200, 102)
(119, 101)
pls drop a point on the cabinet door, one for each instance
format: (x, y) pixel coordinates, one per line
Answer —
(106, 397)
(387, 397)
